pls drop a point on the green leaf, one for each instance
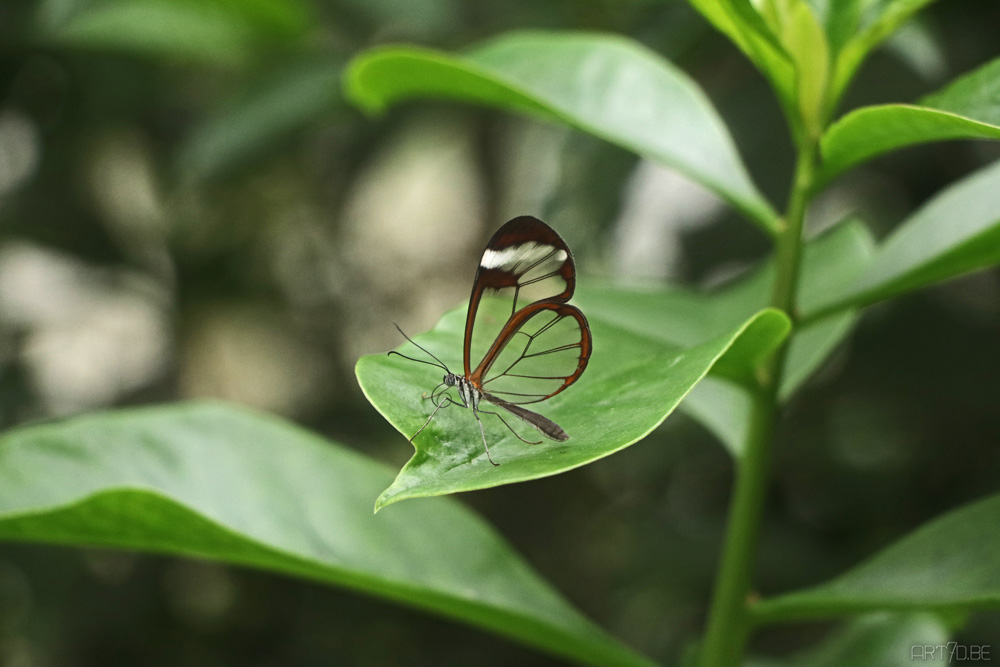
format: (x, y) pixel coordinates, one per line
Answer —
(957, 232)
(969, 108)
(841, 19)
(285, 101)
(878, 20)
(223, 32)
(886, 640)
(740, 21)
(870, 131)
(976, 95)
(806, 42)
(683, 317)
(221, 483)
(604, 85)
(632, 384)
(723, 407)
(940, 566)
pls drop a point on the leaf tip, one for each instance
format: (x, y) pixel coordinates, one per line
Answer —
(356, 86)
(385, 498)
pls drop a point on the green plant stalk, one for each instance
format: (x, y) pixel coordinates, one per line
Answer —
(729, 620)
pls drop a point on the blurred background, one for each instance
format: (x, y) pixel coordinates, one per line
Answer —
(189, 208)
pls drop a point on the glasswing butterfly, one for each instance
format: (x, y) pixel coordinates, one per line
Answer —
(531, 342)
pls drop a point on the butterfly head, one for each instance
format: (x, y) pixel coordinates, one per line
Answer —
(450, 380)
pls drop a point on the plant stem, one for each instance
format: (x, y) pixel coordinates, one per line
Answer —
(729, 618)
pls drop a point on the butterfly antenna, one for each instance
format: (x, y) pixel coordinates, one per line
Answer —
(420, 361)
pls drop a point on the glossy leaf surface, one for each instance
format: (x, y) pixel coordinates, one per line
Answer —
(607, 86)
(938, 566)
(221, 483)
(632, 384)
(956, 232)
(682, 317)
(966, 109)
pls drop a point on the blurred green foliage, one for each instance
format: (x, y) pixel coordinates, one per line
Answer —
(186, 210)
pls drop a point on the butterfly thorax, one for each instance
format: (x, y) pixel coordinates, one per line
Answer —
(467, 391)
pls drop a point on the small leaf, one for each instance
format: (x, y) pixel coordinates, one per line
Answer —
(957, 232)
(632, 384)
(885, 640)
(878, 21)
(216, 482)
(805, 42)
(740, 21)
(683, 317)
(976, 95)
(969, 108)
(939, 566)
(284, 102)
(607, 86)
(841, 21)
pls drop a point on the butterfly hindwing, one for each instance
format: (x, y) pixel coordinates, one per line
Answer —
(543, 349)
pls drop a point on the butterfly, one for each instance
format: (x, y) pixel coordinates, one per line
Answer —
(531, 343)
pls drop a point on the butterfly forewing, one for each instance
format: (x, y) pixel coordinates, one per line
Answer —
(525, 262)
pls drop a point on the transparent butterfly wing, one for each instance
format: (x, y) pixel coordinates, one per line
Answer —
(544, 349)
(531, 343)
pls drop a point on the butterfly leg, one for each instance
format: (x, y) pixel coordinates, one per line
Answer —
(498, 416)
(433, 395)
(437, 407)
(482, 432)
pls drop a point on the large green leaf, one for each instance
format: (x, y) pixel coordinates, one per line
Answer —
(604, 85)
(946, 564)
(632, 384)
(966, 109)
(957, 232)
(882, 640)
(225, 484)
(683, 317)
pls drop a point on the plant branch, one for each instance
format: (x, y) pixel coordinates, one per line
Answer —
(729, 619)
